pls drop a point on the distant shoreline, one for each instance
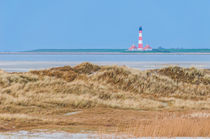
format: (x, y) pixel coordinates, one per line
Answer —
(104, 53)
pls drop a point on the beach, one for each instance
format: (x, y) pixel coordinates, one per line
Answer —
(105, 99)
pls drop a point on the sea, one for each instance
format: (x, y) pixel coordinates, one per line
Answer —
(21, 62)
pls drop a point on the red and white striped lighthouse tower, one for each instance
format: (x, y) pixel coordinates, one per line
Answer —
(140, 43)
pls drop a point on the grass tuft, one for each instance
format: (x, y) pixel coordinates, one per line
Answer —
(56, 91)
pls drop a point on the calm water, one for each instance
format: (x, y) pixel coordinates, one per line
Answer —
(26, 62)
(142, 58)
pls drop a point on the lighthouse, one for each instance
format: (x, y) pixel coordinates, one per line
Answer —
(140, 42)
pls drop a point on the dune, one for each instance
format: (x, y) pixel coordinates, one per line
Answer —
(39, 98)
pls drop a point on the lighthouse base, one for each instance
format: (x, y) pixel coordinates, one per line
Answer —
(140, 49)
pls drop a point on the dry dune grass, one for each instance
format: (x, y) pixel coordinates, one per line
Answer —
(188, 75)
(68, 73)
(88, 85)
(65, 73)
(177, 127)
(157, 123)
(59, 90)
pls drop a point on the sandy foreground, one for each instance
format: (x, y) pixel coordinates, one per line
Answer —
(112, 123)
(95, 101)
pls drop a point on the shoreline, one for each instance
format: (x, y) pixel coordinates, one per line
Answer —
(24, 66)
(100, 53)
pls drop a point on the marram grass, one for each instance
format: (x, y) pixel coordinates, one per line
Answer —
(88, 85)
(42, 97)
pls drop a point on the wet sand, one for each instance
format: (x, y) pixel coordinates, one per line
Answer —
(49, 135)
(24, 66)
(65, 135)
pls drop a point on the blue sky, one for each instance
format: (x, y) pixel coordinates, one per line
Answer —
(75, 24)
